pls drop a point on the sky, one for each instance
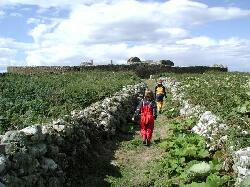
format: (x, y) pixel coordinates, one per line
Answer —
(187, 32)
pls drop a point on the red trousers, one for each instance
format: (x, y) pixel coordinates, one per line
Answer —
(147, 127)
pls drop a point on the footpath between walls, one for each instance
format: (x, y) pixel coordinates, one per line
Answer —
(60, 153)
(213, 129)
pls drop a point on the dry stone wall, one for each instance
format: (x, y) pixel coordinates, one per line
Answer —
(142, 70)
(60, 153)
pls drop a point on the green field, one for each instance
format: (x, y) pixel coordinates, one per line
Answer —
(36, 98)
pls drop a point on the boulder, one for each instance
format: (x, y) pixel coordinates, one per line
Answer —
(38, 150)
(13, 136)
(3, 160)
(48, 164)
(32, 130)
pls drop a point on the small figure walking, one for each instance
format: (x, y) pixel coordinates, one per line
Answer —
(148, 112)
(160, 93)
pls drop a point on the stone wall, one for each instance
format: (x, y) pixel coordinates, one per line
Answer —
(61, 153)
(142, 70)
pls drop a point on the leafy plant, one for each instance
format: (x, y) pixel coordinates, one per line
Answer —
(37, 98)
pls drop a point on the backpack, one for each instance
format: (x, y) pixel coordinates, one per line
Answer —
(159, 90)
(147, 112)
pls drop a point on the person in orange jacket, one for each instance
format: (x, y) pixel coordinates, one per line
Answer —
(160, 93)
(148, 113)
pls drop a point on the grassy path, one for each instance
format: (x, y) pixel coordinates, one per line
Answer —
(169, 158)
(134, 159)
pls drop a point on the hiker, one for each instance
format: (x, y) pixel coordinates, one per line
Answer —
(148, 113)
(160, 93)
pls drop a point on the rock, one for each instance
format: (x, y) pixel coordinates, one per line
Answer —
(13, 136)
(47, 129)
(59, 122)
(54, 182)
(209, 126)
(52, 150)
(2, 163)
(4, 147)
(40, 182)
(24, 161)
(48, 164)
(11, 180)
(30, 180)
(38, 150)
(59, 140)
(242, 163)
(2, 185)
(32, 130)
(59, 128)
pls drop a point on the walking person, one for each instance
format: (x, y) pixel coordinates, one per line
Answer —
(160, 93)
(148, 112)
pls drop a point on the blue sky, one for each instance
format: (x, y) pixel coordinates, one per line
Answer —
(202, 32)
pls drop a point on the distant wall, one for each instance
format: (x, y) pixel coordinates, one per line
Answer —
(142, 70)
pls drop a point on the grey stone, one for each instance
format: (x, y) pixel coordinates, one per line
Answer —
(24, 161)
(59, 140)
(54, 182)
(2, 163)
(11, 180)
(47, 129)
(68, 131)
(48, 164)
(59, 122)
(52, 150)
(13, 136)
(38, 150)
(59, 128)
(32, 130)
(40, 182)
(3, 147)
(2, 185)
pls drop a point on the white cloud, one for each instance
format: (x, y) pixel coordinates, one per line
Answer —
(104, 30)
(2, 13)
(48, 4)
(15, 14)
(35, 21)
(9, 50)
(201, 41)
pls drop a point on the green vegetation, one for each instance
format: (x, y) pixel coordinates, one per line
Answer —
(226, 95)
(187, 161)
(35, 98)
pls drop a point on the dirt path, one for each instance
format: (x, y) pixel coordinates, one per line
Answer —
(134, 159)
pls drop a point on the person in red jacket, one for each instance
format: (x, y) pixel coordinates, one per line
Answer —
(148, 111)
